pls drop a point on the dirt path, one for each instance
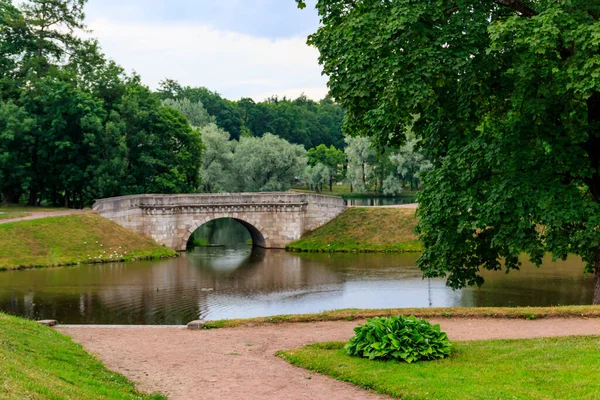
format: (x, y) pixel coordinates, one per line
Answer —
(240, 363)
(45, 214)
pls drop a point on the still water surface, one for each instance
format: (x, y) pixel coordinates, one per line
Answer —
(232, 282)
(374, 201)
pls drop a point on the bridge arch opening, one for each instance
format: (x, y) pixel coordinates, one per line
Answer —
(225, 232)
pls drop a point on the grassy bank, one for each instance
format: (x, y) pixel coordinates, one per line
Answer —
(556, 368)
(39, 363)
(69, 240)
(364, 230)
(452, 312)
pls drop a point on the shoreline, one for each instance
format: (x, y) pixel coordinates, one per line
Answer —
(446, 313)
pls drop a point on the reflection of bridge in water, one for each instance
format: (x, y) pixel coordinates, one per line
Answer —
(273, 219)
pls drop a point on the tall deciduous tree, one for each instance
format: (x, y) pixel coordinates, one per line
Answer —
(317, 175)
(330, 157)
(217, 174)
(193, 111)
(53, 25)
(361, 159)
(268, 164)
(408, 164)
(508, 93)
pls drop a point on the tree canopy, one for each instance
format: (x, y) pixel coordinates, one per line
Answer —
(330, 158)
(508, 98)
(73, 126)
(299, 121)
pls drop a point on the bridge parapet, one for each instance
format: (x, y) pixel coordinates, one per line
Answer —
(273, 219)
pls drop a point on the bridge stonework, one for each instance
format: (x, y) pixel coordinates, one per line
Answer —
(273, 219)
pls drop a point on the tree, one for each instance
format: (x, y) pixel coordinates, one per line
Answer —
(52, 24)
(73, 126)
(217, 160)
(330, 157)
(361, 157)
(409, 164)
(195, 113)
(508, 93)
(317, 175)
(225, 112)
(300, 121)
(164, 151)
(267, 164)
(15, 123)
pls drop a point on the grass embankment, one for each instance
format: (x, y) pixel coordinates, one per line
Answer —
(364, 230)
(37, 362)
(453, 312)
(556, 368)
(70, 240)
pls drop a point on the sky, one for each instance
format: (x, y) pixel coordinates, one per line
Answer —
(239, 48)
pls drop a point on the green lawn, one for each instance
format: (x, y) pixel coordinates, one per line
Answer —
(39, 363)
(85, 238)
(364, 230)
(556, 368)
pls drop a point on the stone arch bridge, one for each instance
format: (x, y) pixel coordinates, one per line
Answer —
(273, 219)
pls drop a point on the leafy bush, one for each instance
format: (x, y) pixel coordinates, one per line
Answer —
(399, 338)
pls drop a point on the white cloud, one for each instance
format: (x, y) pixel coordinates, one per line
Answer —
(234, 64)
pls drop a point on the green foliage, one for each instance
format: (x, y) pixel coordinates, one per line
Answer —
(508, 98)
(361, 160)
(195, 113)
(408, 166)
(317, 176)
(400, 338)
(217, 160)
(299, 121)
(73, 126)
(330, 158)
(267, 164)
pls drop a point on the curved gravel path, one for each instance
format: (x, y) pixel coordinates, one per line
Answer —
(240, 363)
(45, 214)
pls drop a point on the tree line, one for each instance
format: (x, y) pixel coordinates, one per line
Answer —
(73, 126)
(299, 121)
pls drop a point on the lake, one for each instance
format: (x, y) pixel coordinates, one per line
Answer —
(239, 281)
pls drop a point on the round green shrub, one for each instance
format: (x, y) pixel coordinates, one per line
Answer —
(401, 338)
